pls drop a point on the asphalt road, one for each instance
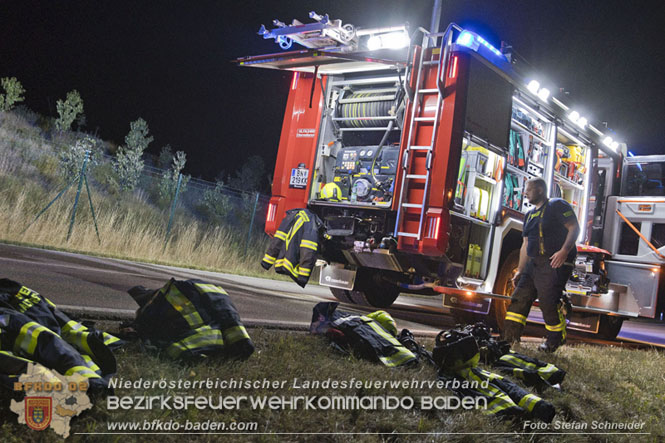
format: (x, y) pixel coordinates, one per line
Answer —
(98, 285)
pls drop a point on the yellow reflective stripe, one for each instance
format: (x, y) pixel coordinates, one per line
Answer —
(546, 371)
(83, 371)
(518, 318)
(91, 364)
(568, 213)
(528, 402)
(208, 288)
(309, 245)
(234, 334)
(48, 301)
(294, 229)
(284, 262)
(73, 325)
(304, 271)
(27, 337)
(280, 235)
(181, 304)
(499, 404)
(402, 355)
(556, 328)
(269, 259)
(205, 336)
(109, 339)
(517, 361)
(303, 214)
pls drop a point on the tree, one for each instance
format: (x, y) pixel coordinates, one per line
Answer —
(13, 93)
(169, 181)
(251, 175)
(129, 164)
(71, 158)
(68, 110)
(165, 157)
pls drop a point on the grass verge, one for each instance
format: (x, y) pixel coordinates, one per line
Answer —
(604, 384)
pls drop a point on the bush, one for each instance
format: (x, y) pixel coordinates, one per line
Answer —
(68, 110)
(13, 93)
(216, 204)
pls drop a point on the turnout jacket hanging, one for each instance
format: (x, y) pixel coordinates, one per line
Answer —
(33, 329)
(294, 247)
(200, 316)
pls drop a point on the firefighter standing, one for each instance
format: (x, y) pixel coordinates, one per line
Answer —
(546, 262)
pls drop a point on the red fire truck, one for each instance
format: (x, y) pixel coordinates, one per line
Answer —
(427, 140)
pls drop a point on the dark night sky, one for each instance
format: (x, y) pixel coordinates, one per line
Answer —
(169, 62)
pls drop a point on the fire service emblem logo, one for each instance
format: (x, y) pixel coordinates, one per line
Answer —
(38, 412)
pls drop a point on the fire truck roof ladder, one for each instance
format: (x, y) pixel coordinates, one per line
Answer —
(413, 176)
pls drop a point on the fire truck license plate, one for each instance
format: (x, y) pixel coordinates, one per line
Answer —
(298, 178)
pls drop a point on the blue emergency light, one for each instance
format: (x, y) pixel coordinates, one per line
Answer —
(473, 41)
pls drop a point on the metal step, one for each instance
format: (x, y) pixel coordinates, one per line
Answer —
(428, 91)
(407, 234)
(430, 62)
(411, 205)
(416, 176)
(424, 119)
(420, 148)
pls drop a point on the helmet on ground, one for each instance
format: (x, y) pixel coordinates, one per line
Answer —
(385, 320)
(331, 192)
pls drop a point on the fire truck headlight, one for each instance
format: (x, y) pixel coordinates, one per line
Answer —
(581, 122)
(389, 40)
(544, 94)
(574, 116)
(533, 86)
(608, 141)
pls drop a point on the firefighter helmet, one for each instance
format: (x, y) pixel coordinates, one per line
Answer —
(331, 192)
(385, 320)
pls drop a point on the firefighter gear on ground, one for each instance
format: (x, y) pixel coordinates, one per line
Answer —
(200, 316)
(532, 371)
(33, 329)
(294, 247)
(457, 354)
(362, 334)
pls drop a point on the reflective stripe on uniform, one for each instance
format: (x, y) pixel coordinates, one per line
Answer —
(109, 339)
(304, 271)
(27, 337)
(517, 318)
(182, 304)
(517, 361)
(213, 289)
(269, 259)
(556, 328)
(91, 364)
(280, 235)
(528, 402)
(83, 371)
(235, 334)
(401, 356)
(309, 244)
(285, 263)
(204, 336)
(546, 371)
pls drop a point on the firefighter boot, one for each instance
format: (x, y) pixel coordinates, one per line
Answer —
(553, 341)
(512, 331)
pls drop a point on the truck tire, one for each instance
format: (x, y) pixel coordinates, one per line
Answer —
(609, 327)
(372, 290)
(377, 297)
(342, 295)
(504, 286)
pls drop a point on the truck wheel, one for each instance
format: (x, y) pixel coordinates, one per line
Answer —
(371, 290)
(609, 326)
(504, 286)
(342, 295)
